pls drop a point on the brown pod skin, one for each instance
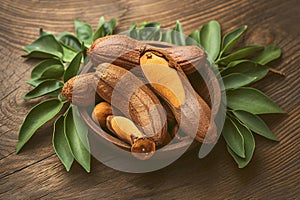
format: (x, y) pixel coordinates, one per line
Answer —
(116, 49)
(125, 52)
(139, 106)
(189, 58)
(81, 90)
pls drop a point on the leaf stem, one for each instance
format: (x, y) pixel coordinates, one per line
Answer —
(275, 71)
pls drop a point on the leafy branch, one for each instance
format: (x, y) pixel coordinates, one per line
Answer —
(63, 55)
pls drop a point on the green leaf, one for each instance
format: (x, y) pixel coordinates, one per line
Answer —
(36, 82)
(53, 72)
(62, 98)
(251, 100)
(167, 37)
(249, 146)
(157, 35)
(101, 21)
(243, 53)
(69, 53)
(150, 33)
(255, 123)
(43, 88)
(237, 62)
(194, 38)
(269, 54)
(48, 69)
(132, 32)
(100, 32)
(81, 128)
(61, 145)
(150, 24)
(110, 26)
(233, 137)
(133, 26)
(236, 80)
(247, 68)
(54, 93)
(178, 37)
(38, 54)
(231, 38)
(44, 47)
(37, 117)
(78, 148)
(210, 37)
(70, 41)
(73, 67)
(84, 32)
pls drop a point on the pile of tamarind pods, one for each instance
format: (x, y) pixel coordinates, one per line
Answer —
(149, 113)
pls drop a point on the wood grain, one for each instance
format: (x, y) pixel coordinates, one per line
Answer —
(36, 172)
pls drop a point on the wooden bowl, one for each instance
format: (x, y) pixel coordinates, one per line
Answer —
(97, 133)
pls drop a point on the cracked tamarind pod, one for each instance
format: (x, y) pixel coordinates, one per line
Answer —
(134, 99)
(169, 82)
(141, 147)
(142, 107)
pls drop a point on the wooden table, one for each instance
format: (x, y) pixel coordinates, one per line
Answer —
(37, 173)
